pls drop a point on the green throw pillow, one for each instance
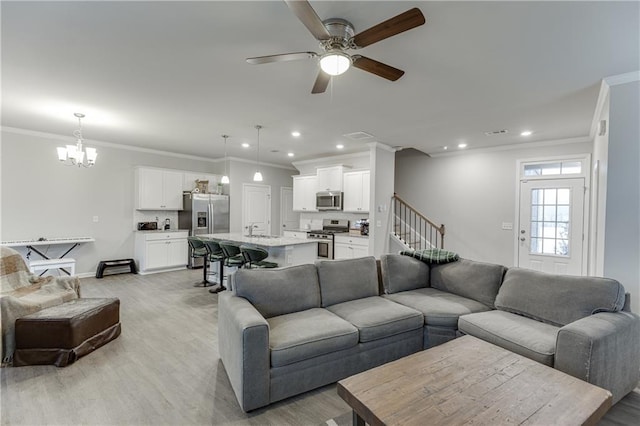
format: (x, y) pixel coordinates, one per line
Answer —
(437, 256)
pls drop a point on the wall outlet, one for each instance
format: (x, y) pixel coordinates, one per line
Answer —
(96, 219)
(507, 226)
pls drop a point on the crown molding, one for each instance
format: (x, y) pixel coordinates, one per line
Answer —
(262, 163)
(511, 147)
(629, 77)
(382, 146)
(65, 138)
(605, 88)
(333, 159)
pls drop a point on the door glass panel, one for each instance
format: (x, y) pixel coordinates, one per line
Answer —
(564, 196)
(550, 230)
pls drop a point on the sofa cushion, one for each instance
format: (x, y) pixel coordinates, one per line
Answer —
(558, 299)
(439, 308)
(402, 273)
(276, 292)
(467, 278)
(302, 335)
(377, 318)
(524, 336)
(344, 280)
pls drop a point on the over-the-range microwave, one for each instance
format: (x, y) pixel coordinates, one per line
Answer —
(329, 200)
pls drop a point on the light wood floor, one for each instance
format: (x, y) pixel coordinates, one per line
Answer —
(165, 369)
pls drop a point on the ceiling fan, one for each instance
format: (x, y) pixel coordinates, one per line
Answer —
(336, 37)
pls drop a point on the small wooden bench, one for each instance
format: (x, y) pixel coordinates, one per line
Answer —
(61, 334)
(42, 265)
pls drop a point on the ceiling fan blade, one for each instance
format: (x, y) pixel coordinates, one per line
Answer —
(281, 58)
(377, 68)
(322, 81)
(305, 13)
(405, 21)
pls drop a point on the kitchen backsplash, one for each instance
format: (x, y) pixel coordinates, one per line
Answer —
(151, 215)
(314, 220)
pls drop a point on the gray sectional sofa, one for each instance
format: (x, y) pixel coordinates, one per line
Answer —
(286, 331)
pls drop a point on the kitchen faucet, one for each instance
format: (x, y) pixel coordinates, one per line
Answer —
(250, 227)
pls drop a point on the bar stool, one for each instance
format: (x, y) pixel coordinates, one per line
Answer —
(198, 250)
(255, 257)
(233, 256)
(216, 255)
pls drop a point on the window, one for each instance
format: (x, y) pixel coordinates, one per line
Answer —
(550, 213)
(570, 167)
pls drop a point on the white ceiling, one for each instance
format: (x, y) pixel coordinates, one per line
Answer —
(172, 76)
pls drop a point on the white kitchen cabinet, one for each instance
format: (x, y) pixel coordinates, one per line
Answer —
(349, 247)
(356, 191)
(304, 193)
(301, 235)
(158, 251)
(158, 189)
(330, 178)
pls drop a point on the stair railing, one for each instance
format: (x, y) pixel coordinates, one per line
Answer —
(413, 228)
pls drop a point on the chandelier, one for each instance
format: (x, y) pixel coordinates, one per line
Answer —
(75, 155)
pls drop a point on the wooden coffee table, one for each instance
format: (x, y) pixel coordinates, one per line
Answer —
(470, 380)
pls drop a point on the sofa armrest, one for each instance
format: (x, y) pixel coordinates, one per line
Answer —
(243, 342)
(602, 349)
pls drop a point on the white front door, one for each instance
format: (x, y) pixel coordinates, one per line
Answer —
(551, 225)
(256, 208)
(288, 218)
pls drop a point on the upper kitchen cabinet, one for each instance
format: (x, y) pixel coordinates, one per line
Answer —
(356, 191)
(304, 193)
(158, 189)
(330, 178)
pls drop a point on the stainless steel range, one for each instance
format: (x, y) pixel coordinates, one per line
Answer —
(330, 227)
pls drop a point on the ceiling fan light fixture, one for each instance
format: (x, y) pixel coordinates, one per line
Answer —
(335, 63)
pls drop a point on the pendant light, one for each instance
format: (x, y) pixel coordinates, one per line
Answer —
(225, 177)
(257, 177)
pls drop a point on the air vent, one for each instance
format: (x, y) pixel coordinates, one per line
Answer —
(358, 136)
(497, 132)
(274, 150)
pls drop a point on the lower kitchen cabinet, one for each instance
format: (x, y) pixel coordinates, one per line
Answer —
(158, 251)
(349, 247)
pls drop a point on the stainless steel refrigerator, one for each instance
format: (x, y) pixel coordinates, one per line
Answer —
(204, 214)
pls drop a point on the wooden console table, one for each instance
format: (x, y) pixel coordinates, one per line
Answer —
(468, 380)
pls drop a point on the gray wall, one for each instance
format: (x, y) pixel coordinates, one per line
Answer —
(43, 198)
(622, 223)
(472, 194)
(242, 172)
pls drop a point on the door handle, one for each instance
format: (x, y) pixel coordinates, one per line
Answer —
(522, 238)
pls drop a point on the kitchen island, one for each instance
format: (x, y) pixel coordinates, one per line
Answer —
(282, 250)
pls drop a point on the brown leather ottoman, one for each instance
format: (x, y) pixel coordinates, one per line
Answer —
(61, 334)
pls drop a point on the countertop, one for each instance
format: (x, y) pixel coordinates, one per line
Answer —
(346, 234)
(272, 241)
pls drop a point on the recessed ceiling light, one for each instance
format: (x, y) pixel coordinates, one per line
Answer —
(339, 146)
(462, 145)
(245, 145)
(290, 154)
(526, 133)
(445, 148)
(295, 134)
